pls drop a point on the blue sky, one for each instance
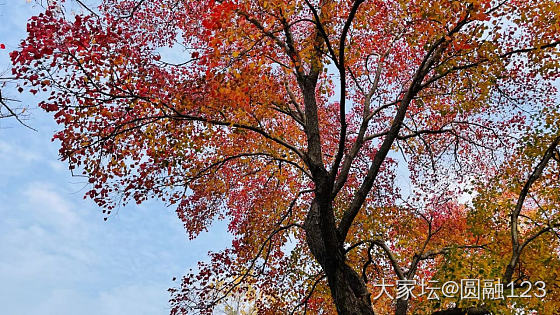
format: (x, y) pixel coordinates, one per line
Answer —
(57, 255)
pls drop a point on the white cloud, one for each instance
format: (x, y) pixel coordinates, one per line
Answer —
(14, 158)
(16, 153)
(57, 258)
(133, 299)
(50, 207)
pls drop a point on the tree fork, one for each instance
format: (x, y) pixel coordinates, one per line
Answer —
(348, 290)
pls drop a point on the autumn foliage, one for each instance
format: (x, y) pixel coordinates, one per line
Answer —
(345, 142)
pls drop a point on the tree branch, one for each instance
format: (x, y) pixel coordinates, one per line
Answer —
(430, 58)
(342, 102)
(514, 216)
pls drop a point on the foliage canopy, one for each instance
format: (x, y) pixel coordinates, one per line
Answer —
(345, 141)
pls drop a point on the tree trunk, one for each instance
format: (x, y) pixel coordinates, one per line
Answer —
(401, 307)
(348, 290)
(508, 274)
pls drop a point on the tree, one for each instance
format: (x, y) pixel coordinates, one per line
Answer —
(337, 137)
(6, 109)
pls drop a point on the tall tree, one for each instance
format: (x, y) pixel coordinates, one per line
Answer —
(338, 138)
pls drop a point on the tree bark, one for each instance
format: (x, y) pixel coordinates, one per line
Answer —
(401, 307)
(348, 290)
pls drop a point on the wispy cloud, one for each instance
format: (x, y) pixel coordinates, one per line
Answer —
(66, 260)
(50, 206)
